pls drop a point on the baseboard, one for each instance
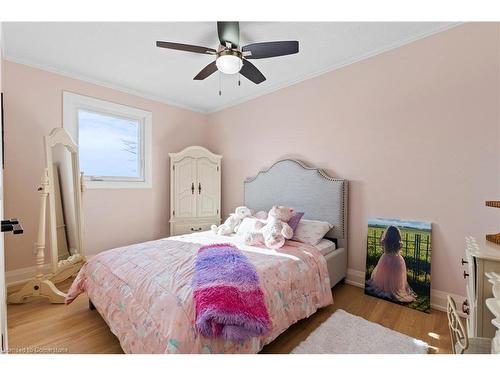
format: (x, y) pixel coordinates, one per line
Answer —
(355, 277)
(438, 297)
(21, 275)
(439, 300)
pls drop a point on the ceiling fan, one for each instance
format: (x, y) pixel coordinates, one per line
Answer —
(230, 58)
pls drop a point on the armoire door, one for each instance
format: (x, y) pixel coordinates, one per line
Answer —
(185, 189)
(207, 188)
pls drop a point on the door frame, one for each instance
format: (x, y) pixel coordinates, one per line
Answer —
(3, 287)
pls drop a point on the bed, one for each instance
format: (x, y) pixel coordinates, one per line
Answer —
(291, 183)
(144, 292)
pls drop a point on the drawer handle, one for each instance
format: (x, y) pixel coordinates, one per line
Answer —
(192, 187)
(195, 230)
(466, 275)
(464, 262)
(465, 307)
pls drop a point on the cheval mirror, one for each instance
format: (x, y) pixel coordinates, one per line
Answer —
(62, 183)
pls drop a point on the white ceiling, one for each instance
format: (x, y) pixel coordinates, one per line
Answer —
(124, 56)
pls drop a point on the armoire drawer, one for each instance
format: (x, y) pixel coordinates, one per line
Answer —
(185, 228)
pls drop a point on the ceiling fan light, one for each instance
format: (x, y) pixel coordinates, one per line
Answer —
(228, 64)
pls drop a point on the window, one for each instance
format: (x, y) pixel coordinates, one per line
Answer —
(114, 141)
(109, 146)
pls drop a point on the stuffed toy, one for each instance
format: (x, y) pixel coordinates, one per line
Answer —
(275, 231)
(232, 222)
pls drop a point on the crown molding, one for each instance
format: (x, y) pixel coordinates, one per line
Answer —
(109, 85)
(268, 90)
(334, 67)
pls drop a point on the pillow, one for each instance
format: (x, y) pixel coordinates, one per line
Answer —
(262, 215)
(247, 225)
(294, 221)
(311, 231)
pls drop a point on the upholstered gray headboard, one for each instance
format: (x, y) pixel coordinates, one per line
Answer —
(310, 190)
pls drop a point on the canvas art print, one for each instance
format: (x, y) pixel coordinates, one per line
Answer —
(398, 262)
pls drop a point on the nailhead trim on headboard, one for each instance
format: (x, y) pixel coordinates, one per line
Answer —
(340, 233)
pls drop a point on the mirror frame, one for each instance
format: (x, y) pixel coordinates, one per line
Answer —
(59, 136)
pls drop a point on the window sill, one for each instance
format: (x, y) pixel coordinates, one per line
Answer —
(117, 184)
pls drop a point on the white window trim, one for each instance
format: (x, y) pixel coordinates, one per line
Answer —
(73, 102)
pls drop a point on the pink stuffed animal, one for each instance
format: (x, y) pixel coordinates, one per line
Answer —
(275, 231)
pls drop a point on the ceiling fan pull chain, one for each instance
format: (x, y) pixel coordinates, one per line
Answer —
(220, 84)
(239, 79)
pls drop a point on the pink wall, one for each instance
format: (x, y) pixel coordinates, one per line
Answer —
(415, 130)
(33, 106)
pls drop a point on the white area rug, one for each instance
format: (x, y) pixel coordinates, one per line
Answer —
(344, 333)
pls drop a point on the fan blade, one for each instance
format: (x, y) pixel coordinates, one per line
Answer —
(251, 72)
(229, 32)
(206, 71)
(271, 49)
(186, 47)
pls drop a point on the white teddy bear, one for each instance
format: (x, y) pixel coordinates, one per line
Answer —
(232, 222)
(275, 231)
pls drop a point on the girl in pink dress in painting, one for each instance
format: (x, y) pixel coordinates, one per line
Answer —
(388, 278)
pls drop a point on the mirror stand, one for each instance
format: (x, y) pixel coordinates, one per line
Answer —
(40, 285)
(62, 185)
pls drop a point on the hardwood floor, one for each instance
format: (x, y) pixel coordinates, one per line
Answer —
(76, 329)
(431, 328)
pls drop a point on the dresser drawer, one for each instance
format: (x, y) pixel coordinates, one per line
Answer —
(470, 269)
(471, 313)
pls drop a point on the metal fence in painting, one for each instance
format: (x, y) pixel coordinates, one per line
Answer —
(416, 251)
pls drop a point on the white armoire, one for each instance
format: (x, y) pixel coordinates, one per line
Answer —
(194, 190)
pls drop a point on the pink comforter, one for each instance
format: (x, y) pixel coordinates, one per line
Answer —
(144, 292)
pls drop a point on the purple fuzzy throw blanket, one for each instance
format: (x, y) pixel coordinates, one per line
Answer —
(228, 299)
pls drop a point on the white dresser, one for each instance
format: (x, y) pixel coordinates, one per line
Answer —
(195, 190)
(481, 258)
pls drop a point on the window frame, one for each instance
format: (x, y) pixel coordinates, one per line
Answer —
(72, 103)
